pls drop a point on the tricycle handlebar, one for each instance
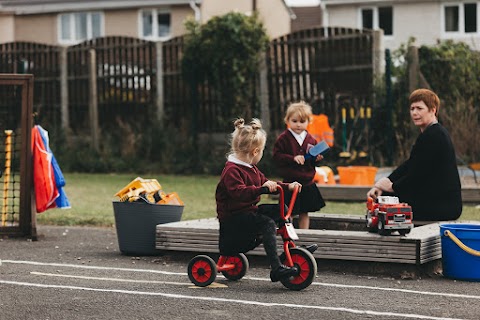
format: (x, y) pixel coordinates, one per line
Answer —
(281, 202)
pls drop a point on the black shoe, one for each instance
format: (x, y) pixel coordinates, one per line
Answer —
(311, 247)
(282, 272)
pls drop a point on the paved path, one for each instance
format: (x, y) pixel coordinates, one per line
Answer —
(78, 273)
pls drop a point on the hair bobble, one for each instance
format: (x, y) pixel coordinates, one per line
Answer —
(239, 123)
(256, 124)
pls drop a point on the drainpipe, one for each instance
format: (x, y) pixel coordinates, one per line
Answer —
(196, 9)
(323, 7)
(325, 22)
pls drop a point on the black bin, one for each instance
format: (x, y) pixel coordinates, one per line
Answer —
(136, 225)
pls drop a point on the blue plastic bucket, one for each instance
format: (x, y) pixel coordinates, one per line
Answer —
(461, 260)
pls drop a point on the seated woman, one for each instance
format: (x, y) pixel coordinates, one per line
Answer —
(429, 179)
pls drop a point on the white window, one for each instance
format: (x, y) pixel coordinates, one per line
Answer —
(79, 26)
(377, 18)
(155, 24)
(460, 18)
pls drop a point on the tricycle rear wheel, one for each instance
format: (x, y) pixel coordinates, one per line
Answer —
(202, 270)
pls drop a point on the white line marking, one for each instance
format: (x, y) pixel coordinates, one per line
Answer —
(90, 267)
(108, 279)
(427, 293)
(245, 302)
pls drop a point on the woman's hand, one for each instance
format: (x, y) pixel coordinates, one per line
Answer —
(374, 193)
(294, 184)
(384, 184)
(271, 185)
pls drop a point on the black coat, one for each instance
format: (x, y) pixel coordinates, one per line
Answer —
(429, 179)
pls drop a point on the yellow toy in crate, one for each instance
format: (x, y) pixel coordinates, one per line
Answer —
(147, 189)
(172, 199)
(137, 187)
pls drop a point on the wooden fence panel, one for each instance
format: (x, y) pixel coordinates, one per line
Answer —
(318, 65)
(125, 77)
(42, 61)
(313, 64)
(176, 90)
(78, 88)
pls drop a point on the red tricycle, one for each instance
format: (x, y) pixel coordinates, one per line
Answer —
(202, 270)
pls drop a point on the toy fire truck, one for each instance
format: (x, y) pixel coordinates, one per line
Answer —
(387, 214)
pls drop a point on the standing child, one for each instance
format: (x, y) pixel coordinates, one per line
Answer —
(237, 195)
(289, 154)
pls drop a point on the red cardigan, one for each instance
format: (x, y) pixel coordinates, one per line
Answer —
(239, 190)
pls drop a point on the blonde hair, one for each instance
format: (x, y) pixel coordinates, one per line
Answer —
(303, 109)
(247, 137)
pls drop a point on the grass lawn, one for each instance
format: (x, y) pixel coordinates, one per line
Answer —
(91, 197)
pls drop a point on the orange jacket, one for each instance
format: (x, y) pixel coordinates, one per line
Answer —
(320, 129)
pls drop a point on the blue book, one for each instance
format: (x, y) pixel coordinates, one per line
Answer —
(320, 148)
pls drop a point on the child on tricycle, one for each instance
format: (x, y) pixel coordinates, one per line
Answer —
(244, 225)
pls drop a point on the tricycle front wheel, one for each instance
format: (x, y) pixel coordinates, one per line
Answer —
(304, 261)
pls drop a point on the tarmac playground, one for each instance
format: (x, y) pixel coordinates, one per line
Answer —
(79, 273)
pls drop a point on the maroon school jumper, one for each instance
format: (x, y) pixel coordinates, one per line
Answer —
(237, 195)
(285, 149)
(239, 190)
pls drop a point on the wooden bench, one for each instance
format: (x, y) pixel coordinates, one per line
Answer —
(420, 246)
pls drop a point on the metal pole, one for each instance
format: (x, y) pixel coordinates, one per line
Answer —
(389, 106)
